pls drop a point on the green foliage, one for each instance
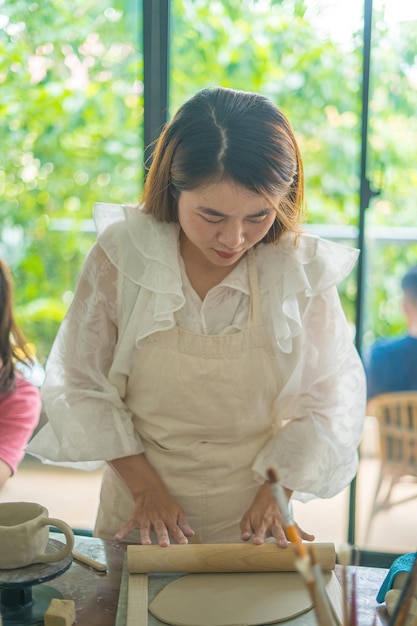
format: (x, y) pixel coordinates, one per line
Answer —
(273, 48)
(71, 116)
(70, 126)
(283, 50)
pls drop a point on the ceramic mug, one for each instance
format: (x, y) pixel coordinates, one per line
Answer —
(24, 534)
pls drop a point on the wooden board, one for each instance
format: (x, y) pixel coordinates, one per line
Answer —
(132, 611)
(137, 600)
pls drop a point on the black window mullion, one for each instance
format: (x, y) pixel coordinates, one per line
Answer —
(156, 70)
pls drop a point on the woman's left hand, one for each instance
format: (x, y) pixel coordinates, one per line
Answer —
(263, 519)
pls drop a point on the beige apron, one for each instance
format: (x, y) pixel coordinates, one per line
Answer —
(202, 405)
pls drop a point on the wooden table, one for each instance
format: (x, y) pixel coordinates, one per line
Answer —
(96, 595)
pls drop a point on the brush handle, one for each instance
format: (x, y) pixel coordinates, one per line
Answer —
(294, 537)
(228, 557)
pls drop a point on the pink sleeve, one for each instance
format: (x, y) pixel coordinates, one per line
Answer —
(19, 416)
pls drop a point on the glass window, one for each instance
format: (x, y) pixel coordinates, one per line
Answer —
(298, 54)
(71, 129)
(71, 134)
(308, 58)
(391, 249)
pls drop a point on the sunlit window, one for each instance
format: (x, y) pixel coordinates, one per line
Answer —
(71, 129)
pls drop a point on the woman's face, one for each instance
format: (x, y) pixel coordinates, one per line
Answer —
(220, 222)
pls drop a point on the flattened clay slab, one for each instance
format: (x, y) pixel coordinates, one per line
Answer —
(241, 599)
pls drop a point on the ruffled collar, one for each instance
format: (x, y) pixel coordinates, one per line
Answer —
(291, 274)
(310, 266)
(146, 251)
(152, 242)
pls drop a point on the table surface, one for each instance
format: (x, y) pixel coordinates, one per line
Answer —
(96, 594)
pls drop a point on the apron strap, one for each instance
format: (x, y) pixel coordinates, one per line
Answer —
(255, 317)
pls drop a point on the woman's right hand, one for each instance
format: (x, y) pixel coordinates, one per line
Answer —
(155, 509)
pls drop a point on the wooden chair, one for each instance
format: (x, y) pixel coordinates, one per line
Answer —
(396, 415)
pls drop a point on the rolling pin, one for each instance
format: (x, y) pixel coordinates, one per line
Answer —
(225, 557)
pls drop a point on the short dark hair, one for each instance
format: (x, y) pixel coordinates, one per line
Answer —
(409, 283)
(227, 135)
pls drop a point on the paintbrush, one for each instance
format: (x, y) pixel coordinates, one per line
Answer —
(304, 561)
(282, 503)
(324, 610)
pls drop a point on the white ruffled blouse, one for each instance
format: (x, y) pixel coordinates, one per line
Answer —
(133, 284)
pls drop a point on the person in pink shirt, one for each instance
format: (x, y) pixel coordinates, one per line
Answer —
(20, 401)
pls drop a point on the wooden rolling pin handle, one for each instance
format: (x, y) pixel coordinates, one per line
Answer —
(227, 557)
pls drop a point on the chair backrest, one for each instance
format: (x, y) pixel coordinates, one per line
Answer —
(397, 419)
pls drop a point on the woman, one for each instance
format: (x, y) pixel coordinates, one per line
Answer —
(206, 341)
(20, 401)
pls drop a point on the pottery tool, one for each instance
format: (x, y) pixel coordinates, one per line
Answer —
(100, 567)
(400, 614)
(350, 605)
(307, 563)
(349, 555)
(221, 557)
(302, 562)
(344, 558)
(289, 524)
(305, 569)
(326, 612)
(209, 558)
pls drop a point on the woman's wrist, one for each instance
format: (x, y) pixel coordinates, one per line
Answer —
(137, 474)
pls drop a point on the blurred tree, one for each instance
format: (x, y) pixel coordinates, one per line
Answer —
(306, 55)
(70, 129)
(71, 125)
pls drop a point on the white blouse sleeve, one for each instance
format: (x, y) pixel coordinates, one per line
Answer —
(321, 409)
(88, 420)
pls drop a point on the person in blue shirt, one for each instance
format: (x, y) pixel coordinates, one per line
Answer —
(392, 361)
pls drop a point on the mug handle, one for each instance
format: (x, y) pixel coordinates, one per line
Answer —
(66, 550)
